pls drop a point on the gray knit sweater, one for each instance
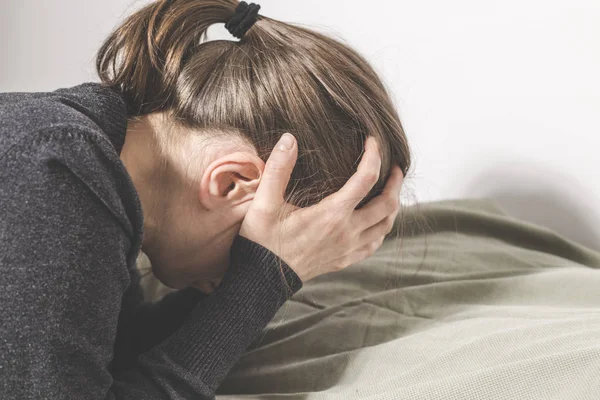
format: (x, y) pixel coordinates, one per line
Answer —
(72, 321)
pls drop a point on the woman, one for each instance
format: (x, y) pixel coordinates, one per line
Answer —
(167, 155)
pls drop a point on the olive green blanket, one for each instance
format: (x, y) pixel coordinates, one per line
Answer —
(469, 304)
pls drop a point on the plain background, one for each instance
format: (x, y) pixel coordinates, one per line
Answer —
(499, 99)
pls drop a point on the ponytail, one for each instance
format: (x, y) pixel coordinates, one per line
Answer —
(143, 58)
(279, 77)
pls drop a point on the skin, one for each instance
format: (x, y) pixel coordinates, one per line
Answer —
(199, 192)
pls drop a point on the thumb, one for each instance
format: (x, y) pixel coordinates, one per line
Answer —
(276, 176)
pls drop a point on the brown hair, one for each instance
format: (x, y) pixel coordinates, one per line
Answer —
(278, 78)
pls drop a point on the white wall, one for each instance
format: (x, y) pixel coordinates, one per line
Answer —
(498, 98)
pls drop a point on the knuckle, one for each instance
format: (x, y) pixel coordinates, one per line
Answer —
(340, 265)
(363, 255)
(392, 203)
(390, 228)
(373, 247)
(390, 224)
(275, 165)
(371, 178)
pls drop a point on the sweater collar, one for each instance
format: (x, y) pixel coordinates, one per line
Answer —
(103, 105)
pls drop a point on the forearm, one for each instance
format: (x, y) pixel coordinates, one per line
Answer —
(150, 324)
(224, 324)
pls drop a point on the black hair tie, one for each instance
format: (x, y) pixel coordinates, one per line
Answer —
(244, 17)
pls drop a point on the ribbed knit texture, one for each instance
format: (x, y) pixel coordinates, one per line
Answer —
(223, 353)
(73, 324)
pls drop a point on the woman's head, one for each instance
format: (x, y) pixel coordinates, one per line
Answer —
(243, 95)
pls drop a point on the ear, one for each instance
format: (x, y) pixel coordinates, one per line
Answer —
(231, 181)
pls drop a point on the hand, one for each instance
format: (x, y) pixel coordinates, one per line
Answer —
(330, 235)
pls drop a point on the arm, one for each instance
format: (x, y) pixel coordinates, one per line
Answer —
(222, 326)
(63, 272)
(151, 323)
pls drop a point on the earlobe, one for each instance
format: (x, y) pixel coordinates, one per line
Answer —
(231, 180)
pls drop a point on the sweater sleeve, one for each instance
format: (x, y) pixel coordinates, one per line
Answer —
(63, 273)
(149, 324)
(194, 360)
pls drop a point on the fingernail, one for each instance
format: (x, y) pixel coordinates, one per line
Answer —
(286, 142)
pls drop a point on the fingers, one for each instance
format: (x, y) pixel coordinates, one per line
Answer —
(379, 230)
(360, 184)
(276, 176)
(364, 252)
(368, 243)
(383, 205)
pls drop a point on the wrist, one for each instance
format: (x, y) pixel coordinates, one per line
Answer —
(255, 258)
